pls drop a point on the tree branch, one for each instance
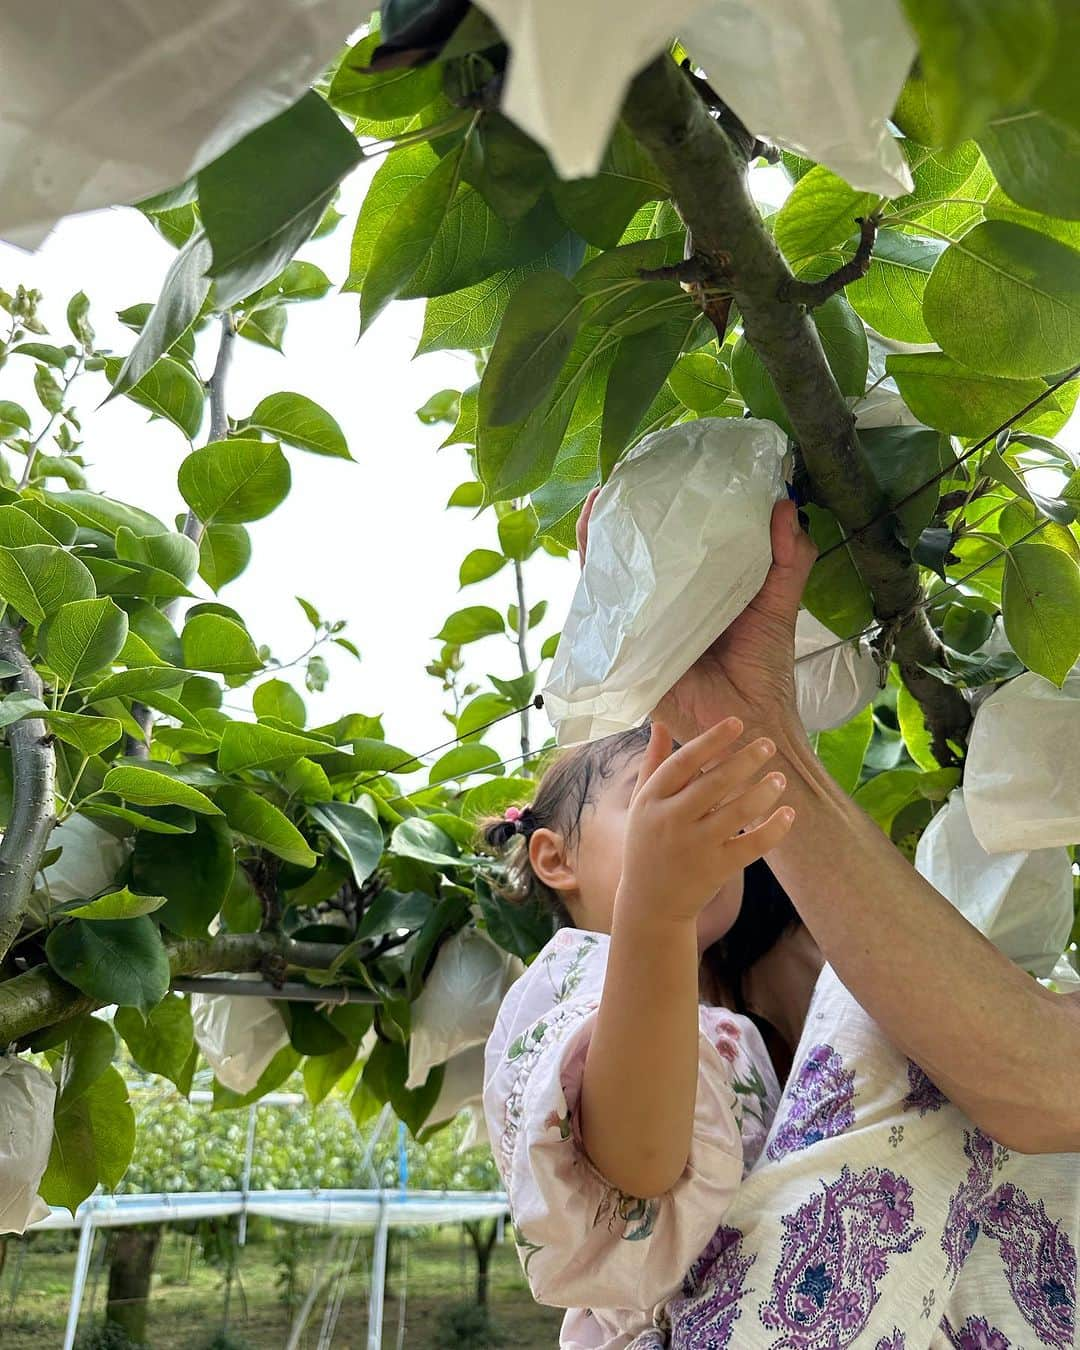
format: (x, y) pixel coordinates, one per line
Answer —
(40, 998)
(811, 293)
(33, 808)
(219, 418)
(708, 181)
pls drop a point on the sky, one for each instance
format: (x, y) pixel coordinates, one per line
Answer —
(369, 542)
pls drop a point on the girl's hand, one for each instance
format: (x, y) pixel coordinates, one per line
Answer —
(686, 810)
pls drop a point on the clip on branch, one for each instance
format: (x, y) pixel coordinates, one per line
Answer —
(812, 293)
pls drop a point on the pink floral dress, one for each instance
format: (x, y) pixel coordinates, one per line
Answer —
(859, 1208)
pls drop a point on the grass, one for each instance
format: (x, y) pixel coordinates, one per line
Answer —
(187, 1304)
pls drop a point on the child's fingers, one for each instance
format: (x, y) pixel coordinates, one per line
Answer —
(657, 750)
(720, 782)
(740, 813)
(746, 848)
(694, 756)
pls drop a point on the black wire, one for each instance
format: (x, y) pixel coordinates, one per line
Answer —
(949, 468)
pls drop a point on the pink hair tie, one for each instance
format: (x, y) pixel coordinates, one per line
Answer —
(512, 813)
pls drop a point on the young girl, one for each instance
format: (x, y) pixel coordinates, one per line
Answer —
(663, 1188)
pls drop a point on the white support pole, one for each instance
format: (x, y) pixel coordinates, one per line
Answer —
(245, 1179)
(378, 1280)
(78, 1281)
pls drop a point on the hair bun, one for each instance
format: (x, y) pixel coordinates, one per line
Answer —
(500, 832)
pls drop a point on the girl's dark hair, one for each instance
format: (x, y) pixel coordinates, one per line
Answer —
(565, 787)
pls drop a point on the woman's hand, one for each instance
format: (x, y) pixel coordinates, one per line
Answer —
(686, 810)
(749, 671)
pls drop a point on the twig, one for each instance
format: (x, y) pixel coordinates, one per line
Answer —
(812, 293)
(219, 419)
(33, 807)
(31, 454)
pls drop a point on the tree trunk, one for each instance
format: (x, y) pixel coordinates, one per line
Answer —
(132, 1255)
(482, 1245)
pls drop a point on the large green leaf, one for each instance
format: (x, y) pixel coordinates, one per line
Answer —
(398, 175)
(168, 389)
(213, 642)
(224, 552)
(820, 211)
(1040, 601)
(169, 552)
(902, 459)
(300, 421)
(262, 823)
(148, 787)
(193, 871)
(977, 58)
(600, 208)
(464, 760)
(121, 904)
(19, 529)
(478, 565)
(230, 482)
(1036, 159)
(383, 94)
(642, 363)
(843, 749)
(82, 636)
(93, 1140)
(354, 831)
(141, 680)
(470, 624)
(1006, 300)
(700, 381)
(250, 745)
(535, 336)
(944, 394)
(423, 840)
(120, 961)
(182, 295)
(162, 1043)
(38, 578)
(91, 735)
(889, 297)
(277, 698)
(264, 197)
(88, 1052)
(521, 929)
(835, 593)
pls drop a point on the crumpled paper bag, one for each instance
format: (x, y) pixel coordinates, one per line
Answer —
(1021, 901)
(91, 859)
(817, 76)
(833, 680)
(678, 546)
(457, 1007)
(27, 1094)
(463, 1090)
(1022, 774)
(103, 104)
(238, 1036)
(1064, 978)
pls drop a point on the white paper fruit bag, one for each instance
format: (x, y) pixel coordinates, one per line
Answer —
(238, 1036)
(27, 1094)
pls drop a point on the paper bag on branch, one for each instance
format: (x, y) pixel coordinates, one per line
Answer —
(238, 1036)
(834, 680)
(678, 546)
(27, 1094)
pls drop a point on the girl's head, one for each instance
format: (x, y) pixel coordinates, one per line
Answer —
(566, 852)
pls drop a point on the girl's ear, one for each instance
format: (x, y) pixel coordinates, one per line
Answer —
(550, 860)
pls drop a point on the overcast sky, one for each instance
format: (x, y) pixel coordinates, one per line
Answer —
(369, 542)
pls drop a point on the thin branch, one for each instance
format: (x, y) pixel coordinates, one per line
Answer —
(40, 998)
(813, 293)
(33, 807)
(31, 454)
(219, 419)
(693, 269)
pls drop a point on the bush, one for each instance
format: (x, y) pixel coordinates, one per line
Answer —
(106, 1337)
(465, 1326)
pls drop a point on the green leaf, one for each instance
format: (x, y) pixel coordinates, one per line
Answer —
(843, 749)
(265, 326)
(169, 552)
(902, 459)
(371, 753)
(835, 593)
(394, 909)
(38, 578)
(914, 730)
(323, 1072)
(550, 646)
(87, 1054)
(890, 296)
(384, 1076)
(480, 564)
(277, 698)
(19, 529)
(953, 398)
(278, 1071)
(262, 823)
(119, 961)
(600, 208)
(471, 624)
(168, 389)
(299, 421)
(296, 284)
(250, 745)
(1040, 601)
(464, 760)
(93, 511)
(517, 533)
(147, 787)
(520, 929)
(121, 904)
(162, 1043)
(1006, 300)
(194, 871)
(156, 820)
(642, 363)
(1036, 159)
(264, 197)
(82, 636)
(213, 642)
(420, 839)
(700, 381)
(357, 835)
(91, 735)
(224, 552)
(884, 796)
(13, 419)
(139, 681)
(230, 482)
(382, 94)
(50, 395)
(44, 351)
(819, 212)
(978, 58)
(93, 1140)
(535, 337)
(182, 295)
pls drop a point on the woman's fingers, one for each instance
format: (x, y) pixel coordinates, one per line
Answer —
(760, 841)
(719, 782)
(740, 813)
(693, 756)
(656, 752)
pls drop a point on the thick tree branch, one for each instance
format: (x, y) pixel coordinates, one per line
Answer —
(708, 181)
(33, 807)
(40, 998)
